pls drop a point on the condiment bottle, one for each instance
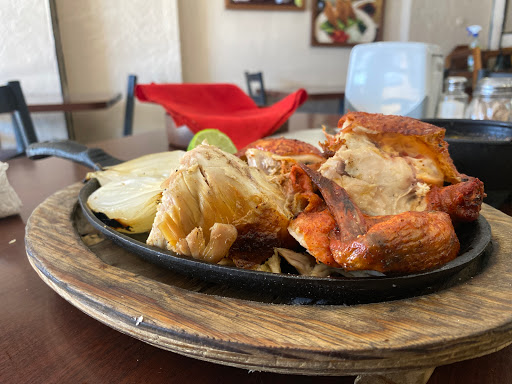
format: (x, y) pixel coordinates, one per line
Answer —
(492, 100)
(473, 31)
(454, 100)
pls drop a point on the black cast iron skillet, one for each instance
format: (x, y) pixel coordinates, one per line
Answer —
(474, 238)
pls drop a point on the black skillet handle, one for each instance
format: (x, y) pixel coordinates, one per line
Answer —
(94, 158)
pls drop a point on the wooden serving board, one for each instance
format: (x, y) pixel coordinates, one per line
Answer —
(248, 330)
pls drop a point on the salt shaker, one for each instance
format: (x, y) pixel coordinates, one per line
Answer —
(492, 100)
(454, 99)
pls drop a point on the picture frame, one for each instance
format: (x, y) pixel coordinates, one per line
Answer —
(345, 23)
(266, 5)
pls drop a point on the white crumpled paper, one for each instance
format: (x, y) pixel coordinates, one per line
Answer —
(10, 203)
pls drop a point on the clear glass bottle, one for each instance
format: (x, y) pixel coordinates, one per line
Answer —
(454, 100)
(492, 100)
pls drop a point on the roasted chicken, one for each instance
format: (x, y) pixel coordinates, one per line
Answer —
(217, 208)
(337, 233)
(394, 164)
(383, 196)
(276, 156)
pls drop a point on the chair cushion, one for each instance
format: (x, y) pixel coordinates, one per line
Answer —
(222, 106)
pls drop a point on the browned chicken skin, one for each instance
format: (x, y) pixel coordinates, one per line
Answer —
(393, 164)
(276, 157)
(462, 201)
(281, 147)
(217, 208)
(338, 234)
(384, 204)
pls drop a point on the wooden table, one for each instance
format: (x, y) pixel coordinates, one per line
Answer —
(71, 103)
(316, 95)
(47, 340)
(314, 92)
(85, 102)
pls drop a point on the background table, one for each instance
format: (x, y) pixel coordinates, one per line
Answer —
(320, 98)
(47, 340)
(314, 92)
(71, 103)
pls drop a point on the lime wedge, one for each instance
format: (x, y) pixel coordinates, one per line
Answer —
(212, 137)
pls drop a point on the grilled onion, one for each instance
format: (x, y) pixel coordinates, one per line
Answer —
(158, 165)
(130, 192)
(129, 205)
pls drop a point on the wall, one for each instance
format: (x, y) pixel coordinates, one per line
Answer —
(103, 42)
(508, 19)
(218, 45)
(27, 54)
(447, 27)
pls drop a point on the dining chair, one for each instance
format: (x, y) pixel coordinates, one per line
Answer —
(221, 106)
(12, 101)
(130, 105)
(455, 63)
(256, 88)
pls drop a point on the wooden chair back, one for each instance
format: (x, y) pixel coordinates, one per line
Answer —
(456, 63)
(130, 105)
(256, 88)
(497, 60)
(484, 63)
(13, 101)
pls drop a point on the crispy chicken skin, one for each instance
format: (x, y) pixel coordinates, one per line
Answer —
(405, 135)
(462, 201)
(282, 147)
(276, 157)
(215, 206)
(394, 164)
(338, 234)
(375, 199)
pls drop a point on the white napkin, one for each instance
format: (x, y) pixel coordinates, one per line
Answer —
(10, 203)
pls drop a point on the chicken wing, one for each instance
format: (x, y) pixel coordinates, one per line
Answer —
(462, 201)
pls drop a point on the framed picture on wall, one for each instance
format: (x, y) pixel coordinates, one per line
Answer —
(346, 22)
(270, 5)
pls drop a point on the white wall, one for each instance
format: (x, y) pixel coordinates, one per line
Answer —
(444, 22)
(103, 42)
(27, 54)
(218, 45)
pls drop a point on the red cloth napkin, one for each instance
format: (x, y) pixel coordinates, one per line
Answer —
(222, 106)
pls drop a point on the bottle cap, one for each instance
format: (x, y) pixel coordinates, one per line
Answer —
(474, 30)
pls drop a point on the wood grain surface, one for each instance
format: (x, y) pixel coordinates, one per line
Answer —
(198, 320)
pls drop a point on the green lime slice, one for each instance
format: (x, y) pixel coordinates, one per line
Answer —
(212, 137)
